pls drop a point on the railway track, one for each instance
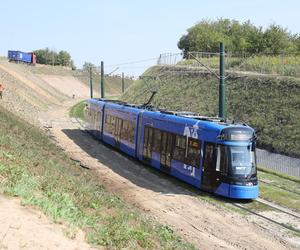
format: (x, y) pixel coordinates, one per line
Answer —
(276, 207)
(278, 186)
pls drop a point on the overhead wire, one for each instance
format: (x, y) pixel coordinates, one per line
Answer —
(132, 62)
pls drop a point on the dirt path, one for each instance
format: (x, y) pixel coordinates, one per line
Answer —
(26, 228)
(162, 197)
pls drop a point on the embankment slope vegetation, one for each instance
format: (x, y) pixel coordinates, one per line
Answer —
(270, 104)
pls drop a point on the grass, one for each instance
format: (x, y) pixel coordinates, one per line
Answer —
(284, 65)
(282, 190)
(268, 104)
(41, 175)
(77, 111)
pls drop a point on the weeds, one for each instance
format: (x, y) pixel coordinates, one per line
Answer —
(280, 65)
(77, 110)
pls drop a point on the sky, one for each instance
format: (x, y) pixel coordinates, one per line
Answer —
(116, 31)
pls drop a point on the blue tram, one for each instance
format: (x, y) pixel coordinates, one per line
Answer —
(205, 152)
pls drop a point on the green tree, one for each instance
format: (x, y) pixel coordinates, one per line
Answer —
(276, 39)
(87, 65)
(51, 57)
(64, 58)
(238, 37)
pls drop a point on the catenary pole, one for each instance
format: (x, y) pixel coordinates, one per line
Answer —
(102, 80)
(91, 82)
(222, 100)
(123, 82)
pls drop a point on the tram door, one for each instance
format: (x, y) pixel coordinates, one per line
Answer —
(118, 127)
(210, 176)
(166, 153)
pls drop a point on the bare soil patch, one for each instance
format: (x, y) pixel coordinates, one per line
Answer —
(26, 228)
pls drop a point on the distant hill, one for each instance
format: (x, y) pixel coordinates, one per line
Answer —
(113, 85)
(33, 89)
(270, 104)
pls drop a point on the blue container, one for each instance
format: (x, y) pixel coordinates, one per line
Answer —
(19, 56)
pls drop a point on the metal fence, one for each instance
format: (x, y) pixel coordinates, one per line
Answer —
(277, 162)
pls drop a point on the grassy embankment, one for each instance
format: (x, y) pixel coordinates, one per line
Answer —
(269, 104)
(41, 175)
(281, 65)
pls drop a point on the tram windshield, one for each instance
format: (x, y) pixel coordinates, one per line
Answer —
(242, 161)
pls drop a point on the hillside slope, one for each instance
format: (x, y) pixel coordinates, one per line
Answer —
(26, 93)
(112, 83)
(270, 104)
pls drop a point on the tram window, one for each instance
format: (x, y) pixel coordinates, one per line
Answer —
(150, 138)
(124, 130)
(107, 119)
(96, 120)
(193, 157)
(223, 160)
(180, 148)
(164, 142)
(146, 142)
(209, 157)
(130, 132)
(109, 126)
(146, 134)
(156, 140)
(107, 123)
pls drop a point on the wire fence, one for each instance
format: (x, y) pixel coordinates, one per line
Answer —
(282, 64)
(279, 163)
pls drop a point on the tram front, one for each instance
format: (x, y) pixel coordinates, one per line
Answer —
(236, 161)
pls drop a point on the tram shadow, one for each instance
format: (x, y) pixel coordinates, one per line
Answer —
(128, 167)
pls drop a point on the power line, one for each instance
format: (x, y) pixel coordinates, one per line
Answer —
(132, 62)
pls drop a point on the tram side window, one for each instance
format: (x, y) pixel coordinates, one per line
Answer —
(112, 122)
(127, 129)
(146, 136)
(193, 157)
(93, 113)
(180, 148)
(98, 119)
(107, 123)
(148, 132)
(124, 130)
(209, 157)
(223, 160)
(109, 126)
(156, 140)
(130, 131)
